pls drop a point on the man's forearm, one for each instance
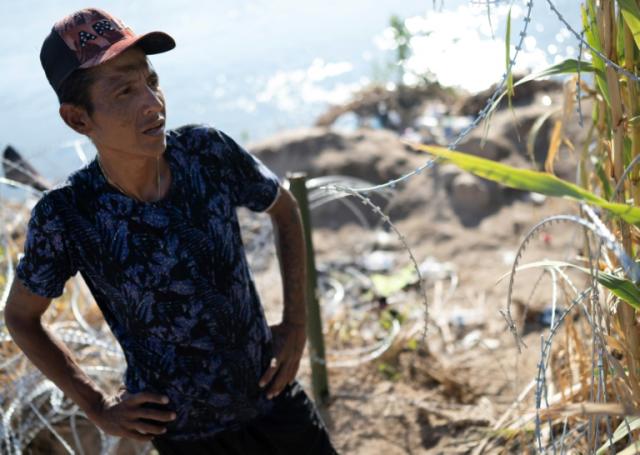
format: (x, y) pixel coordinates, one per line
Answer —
(56, 362)
(291, 250)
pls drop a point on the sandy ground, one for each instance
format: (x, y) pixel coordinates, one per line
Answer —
(446, 398)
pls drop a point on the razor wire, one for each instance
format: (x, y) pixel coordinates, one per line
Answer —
(355, 191)
(607, 62)
(596, 226)
(500, 89)
(31, 403)
(593, 318)
(328, 280)
(391, 184)
(97, 343)
(541, 388)
(387, 220)
(630, 267)
(484, 112)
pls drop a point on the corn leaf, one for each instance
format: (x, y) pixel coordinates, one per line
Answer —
(631, 15)
(622, 288)
(592, 37)
(528, 180)
(568, 66)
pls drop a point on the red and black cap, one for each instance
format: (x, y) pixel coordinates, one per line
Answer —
(90, 37)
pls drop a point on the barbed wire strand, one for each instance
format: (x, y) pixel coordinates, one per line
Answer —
(387, 220)
(475, 122)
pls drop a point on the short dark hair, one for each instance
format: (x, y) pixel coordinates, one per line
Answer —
(75, 89)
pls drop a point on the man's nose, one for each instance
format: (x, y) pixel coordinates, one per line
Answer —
(154, 101)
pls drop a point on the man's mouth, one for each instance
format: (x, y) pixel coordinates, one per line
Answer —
(156, 130)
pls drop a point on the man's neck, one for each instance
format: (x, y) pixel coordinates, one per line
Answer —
(141, 177)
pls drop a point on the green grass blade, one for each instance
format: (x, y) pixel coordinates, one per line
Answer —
(525, 179)
(619, 36)
(631, 15)
(604, 180)
(568, 66)
(592, 37)
(508, 68)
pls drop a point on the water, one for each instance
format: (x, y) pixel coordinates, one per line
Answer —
(255, 67)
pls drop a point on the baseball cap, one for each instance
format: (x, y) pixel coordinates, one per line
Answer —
(89, 37)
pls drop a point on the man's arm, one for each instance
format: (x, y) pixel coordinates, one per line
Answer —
(119, 416)
(290, 247)
(290, 334)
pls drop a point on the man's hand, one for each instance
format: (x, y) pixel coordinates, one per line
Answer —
(124, 415)
(288, 341)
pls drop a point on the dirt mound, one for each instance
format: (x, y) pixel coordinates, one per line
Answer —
(523, 95)
(394, 108)
(441, 192)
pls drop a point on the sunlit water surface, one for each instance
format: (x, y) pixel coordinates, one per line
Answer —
(256, 67)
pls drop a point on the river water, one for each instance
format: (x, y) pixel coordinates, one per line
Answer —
(256, 67)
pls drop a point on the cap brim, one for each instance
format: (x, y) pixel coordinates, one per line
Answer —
(150, 43)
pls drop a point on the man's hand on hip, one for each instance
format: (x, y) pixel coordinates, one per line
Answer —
(288, 342)
(125, 415)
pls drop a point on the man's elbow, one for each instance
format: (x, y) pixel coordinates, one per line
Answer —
(23, 309)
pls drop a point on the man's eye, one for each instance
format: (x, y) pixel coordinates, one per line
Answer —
(153, 82)
(125, 91)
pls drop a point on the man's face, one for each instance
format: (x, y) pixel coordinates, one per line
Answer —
(129, 107)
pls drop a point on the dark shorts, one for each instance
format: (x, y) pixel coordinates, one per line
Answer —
(294, 427)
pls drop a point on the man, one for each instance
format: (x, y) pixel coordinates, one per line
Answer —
(151, 226)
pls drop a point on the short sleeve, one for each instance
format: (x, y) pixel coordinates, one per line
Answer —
(251, 184)
(45, 265)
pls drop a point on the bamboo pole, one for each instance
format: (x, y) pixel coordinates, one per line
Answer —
(320, 382)
(632, 100)
(627, 313)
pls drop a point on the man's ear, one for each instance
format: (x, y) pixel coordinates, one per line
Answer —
(76, 117)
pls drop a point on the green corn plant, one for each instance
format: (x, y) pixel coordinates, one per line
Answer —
(609, 179)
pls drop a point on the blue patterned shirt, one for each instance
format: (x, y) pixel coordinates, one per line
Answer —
(170, 277)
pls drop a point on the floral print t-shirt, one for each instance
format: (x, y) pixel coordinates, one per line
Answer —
(170, 277)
